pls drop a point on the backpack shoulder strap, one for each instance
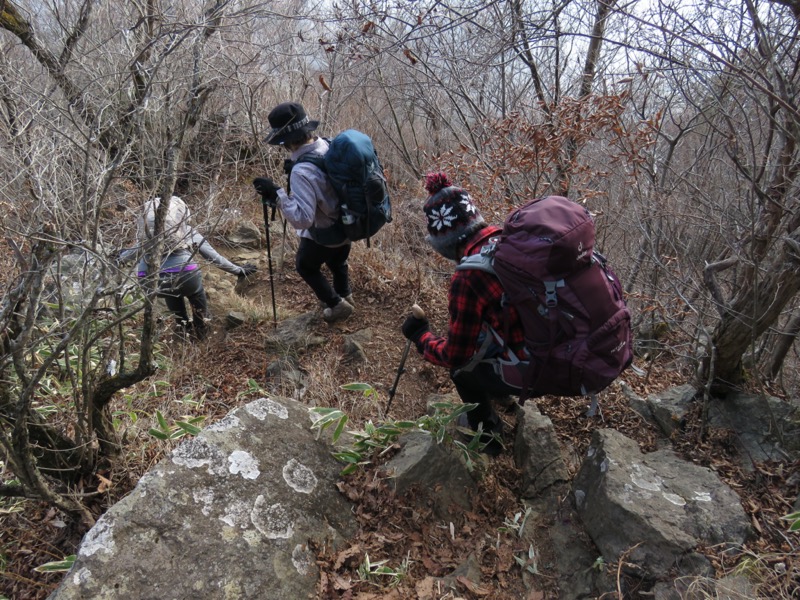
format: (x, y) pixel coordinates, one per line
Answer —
(482, 261)
(316, 159)
(477, 262)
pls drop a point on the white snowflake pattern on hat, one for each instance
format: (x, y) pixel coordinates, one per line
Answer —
(441, 217)
(466, 202)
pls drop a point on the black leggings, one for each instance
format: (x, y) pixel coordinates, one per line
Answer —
(308, 262)
(174, 287)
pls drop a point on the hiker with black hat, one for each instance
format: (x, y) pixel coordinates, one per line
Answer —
(311, 206)
(456, 229)
(179, 277)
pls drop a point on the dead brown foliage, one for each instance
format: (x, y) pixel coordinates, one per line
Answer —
(393, 528)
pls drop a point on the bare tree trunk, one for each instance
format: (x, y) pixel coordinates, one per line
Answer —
(11, 20)
(752, 312)
(784, 343)
(567, 164)
(771, 275)
(524, 51)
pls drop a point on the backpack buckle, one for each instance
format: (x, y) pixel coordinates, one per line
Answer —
(550, 296)
(490, 248)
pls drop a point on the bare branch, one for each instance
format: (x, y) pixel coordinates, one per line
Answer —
(711, 282)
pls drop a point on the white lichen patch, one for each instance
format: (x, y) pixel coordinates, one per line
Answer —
(644, 478)
(243, 463)
(299, 477)
(236, 514)
(264, 407)
(81, 576)
(302, 559)
(151, 480)
(197, 453)
(273, 521)
(99, 538)
(702, 497)
(229, 421)
(645, 484)
(634, 494)
(674, 498)
(205, 498)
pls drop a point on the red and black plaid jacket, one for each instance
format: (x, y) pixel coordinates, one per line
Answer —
(474, 299)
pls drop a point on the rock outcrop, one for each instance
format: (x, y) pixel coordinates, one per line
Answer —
(236, 512)
(654, 509)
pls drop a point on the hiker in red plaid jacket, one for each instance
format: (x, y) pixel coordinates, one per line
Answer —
(473, 349)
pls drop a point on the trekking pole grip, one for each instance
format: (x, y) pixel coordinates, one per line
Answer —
(417, 311)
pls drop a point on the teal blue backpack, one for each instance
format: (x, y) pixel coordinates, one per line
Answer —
(354, 171)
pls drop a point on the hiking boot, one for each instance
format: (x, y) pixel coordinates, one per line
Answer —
(492, 446)
(338, 313)
(507, 403)
(348, 298)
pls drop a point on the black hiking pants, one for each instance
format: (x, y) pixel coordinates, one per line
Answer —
(308, 262)
(174, 287)
(480, 386)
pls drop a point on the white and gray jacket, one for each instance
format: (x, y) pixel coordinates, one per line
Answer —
(313, 201)
(181, 242)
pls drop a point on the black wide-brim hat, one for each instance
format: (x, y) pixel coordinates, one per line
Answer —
(287, 120)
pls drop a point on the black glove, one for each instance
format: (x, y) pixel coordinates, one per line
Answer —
(247, 270)
(414, 328)
(268, 190)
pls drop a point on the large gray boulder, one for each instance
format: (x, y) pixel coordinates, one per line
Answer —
(653, 509)
(234, 513)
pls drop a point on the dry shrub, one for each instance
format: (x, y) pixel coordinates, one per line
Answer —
(750, 575)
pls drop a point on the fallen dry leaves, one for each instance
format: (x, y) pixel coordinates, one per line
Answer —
(398, 528)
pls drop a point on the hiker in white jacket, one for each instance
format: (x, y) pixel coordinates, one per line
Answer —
(179, 274)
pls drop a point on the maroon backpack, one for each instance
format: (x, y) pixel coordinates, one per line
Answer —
(577, 325)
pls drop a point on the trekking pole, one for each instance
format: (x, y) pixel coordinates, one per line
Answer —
(283, 244)
(288, 165)
(419, 314)
(265, 206)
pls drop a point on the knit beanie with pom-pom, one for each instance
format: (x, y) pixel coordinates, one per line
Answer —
(452, 218)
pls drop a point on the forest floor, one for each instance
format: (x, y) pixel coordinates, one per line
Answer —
(210, 378)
